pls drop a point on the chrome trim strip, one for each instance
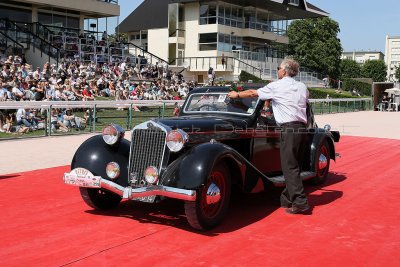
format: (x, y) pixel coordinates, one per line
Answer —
(154, 190)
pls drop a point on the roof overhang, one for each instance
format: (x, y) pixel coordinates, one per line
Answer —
(91, 8)
(139, 19)
(279, 7)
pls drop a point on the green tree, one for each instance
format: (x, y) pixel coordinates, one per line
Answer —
(375, 69)
(315, 44)
(349, 69)
(397, 73)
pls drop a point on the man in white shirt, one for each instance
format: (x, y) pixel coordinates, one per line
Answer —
(289, 103)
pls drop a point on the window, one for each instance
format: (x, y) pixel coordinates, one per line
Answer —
(208, 14)
(396, 56)
(207, 41)
(395, 49)
(227, 43)
(294, 2)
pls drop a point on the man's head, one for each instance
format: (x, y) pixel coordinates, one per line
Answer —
(288, 68)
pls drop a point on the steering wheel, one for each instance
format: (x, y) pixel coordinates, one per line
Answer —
(208, 107)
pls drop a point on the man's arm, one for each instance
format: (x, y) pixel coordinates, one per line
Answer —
(243, 94)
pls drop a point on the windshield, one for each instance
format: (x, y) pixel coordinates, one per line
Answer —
(219, 102)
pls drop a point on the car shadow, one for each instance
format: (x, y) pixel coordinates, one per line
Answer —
(9, 176)
(244, 210)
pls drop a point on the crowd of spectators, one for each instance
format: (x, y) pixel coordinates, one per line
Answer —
(86, 81)
(74, 80)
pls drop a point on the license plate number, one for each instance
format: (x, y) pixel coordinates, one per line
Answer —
(82, 178)
(149, 199)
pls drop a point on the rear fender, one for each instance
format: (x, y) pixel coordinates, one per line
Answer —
(94, 155)
(319, 136)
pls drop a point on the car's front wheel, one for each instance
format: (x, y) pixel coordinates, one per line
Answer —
(99, 199)
(212, 200)
(322, 163)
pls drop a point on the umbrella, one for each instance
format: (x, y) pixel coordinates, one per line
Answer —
(393, 90)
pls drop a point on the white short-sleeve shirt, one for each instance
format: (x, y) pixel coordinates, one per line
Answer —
(289, 100)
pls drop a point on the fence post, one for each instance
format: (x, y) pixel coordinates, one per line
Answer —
(49, 118)
(163, 110)
(130, 117)
(94, 118)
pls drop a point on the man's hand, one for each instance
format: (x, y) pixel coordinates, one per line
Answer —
(233, 94)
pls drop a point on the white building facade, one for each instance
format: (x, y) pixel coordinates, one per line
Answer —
(392, 58)
(362, 56)
(229, 35)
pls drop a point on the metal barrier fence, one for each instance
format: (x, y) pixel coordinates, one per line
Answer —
(128, 114)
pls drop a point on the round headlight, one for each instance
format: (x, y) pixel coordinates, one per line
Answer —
(327, 127)
(112, 134)
(176, 139)
(151, 175)
(113, 170)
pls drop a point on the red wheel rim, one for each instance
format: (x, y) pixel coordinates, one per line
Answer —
(211, 210)
(325, 152)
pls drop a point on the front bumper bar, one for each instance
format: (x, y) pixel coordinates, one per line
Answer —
(153, 190)
(84, 178)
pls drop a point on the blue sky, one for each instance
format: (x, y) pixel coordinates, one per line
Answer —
(364, 24)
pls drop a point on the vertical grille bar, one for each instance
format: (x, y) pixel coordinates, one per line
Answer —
(147, 149)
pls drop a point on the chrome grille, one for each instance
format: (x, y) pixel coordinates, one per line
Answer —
(147, 149)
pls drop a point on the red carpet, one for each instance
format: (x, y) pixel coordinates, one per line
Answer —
(354, 222)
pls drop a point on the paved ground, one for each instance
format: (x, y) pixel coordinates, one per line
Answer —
(39, 153)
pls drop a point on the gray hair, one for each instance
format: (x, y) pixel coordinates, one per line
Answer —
(291, 66)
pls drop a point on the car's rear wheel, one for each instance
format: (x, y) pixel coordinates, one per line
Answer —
(212, 200)
(99, 199)
(322, 163)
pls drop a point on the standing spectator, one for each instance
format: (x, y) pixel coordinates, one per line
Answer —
(211, 76)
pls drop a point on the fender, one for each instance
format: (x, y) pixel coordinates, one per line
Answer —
(191, 170)
(94, 154)
(315, 142)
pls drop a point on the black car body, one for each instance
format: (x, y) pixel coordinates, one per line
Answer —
(213, 144)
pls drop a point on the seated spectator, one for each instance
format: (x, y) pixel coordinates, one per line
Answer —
(87, 94)
(385, 101)
(23, 117)
(56, 122)
(70, 120)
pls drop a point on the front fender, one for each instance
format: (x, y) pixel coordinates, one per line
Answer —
(191, 170)
(94, 155)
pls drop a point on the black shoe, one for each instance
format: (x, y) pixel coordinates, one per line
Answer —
(298, 210)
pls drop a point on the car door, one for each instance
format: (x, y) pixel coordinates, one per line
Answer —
(266, 143)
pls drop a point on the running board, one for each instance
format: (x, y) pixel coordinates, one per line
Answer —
(280, 180)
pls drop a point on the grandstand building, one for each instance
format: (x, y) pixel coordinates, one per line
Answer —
(71, 13)
(229, 35)
(48, 30)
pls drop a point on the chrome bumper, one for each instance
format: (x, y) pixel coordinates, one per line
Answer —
(153, 190)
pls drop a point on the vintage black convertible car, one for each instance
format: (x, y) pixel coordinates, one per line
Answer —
(197, 157)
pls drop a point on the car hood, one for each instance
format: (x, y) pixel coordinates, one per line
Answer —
(204, 123)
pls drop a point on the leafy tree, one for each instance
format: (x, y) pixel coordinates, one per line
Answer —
(349, 69)
(397, 73)
(315, 44)
(375, 69)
